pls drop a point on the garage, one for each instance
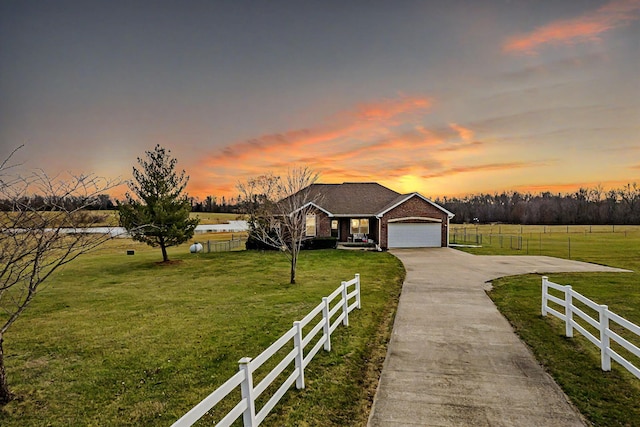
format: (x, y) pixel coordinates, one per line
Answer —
(415, 235)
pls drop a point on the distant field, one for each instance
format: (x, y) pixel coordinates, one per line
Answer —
(581, 242)
(110, 218)
(216, 218)
(548, 229)
(605, 398)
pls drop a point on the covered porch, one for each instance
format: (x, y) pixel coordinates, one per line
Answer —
(355, 230)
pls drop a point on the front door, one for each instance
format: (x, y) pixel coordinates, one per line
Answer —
(335, 229)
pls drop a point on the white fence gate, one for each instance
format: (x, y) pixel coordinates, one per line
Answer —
(601, 324)
(246, 408)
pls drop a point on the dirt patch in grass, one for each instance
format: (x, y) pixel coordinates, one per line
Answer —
(169, 263)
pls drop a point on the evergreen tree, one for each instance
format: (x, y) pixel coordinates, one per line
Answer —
(157, 213)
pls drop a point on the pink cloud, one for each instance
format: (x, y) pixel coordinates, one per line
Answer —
(585, 28)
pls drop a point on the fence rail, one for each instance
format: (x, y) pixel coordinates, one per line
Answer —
(604, 336)
(223, 246)
(246, 408)
(565, 241)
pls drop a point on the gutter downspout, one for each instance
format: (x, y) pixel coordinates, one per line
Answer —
(448, 221)
(378, 247)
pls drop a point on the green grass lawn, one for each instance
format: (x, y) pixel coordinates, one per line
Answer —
(605, 398)
(122, 340)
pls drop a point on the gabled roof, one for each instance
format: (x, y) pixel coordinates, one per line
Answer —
(360, 199)
(404, 197)
(352, 198)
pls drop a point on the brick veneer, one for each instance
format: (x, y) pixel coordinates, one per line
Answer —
(414, 207)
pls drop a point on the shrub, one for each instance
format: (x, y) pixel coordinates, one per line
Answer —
(258, 245)
(320, 243)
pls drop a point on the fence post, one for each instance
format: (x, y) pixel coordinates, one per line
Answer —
(345, 305)
(246, 387)
(604, 339)
(327, 324)
(297, 342)
(568, 312)
(545, 288)
(540, 244)
(358, 290)
(208, 246)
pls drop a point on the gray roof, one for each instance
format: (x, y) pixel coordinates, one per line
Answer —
(353, 198)
(360, 199)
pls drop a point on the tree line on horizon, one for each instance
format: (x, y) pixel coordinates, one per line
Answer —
(106, 202)
(587, 206)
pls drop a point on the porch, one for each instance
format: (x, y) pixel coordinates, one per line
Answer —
(355, 231)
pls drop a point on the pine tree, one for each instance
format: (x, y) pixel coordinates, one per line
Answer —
(157, 213)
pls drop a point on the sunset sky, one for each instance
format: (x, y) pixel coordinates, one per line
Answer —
(446, 97)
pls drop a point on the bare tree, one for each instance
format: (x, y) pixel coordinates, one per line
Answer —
(34, 243)
(278, 209)
(630, 197)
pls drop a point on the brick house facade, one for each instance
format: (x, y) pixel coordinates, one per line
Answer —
(371, 213)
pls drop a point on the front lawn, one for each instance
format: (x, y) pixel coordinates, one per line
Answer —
(121, 340)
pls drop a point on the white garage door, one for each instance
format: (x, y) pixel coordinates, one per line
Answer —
(414, 235)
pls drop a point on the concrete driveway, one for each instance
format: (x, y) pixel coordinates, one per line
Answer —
(454, 360)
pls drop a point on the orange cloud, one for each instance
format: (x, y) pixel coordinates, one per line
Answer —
(465, 134)
(367, 118)
(387, 109)
(376, 128)
(480, 168)
(384, 141)
(585, 28)
(461, 147)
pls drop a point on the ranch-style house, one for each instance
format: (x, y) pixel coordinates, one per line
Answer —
(371, 213)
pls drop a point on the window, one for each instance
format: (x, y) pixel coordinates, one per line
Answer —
(360, 226)
(311, 225)
(334, 228)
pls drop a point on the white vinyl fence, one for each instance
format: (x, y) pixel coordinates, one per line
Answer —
(253, 416)
(601, 324)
